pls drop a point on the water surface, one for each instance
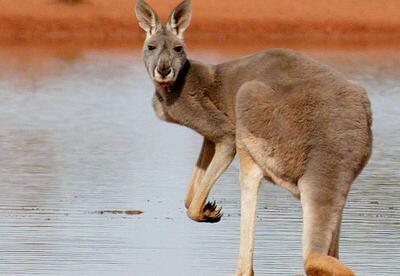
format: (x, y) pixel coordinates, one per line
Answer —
(78, 136)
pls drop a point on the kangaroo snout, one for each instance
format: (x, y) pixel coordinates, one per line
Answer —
(163, 74)
(163, 71)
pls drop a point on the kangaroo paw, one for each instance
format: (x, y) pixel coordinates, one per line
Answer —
(210, 213)
(319, 265)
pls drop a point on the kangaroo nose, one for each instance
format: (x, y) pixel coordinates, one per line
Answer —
(164, 70)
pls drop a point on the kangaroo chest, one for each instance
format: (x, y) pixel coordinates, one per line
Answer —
(161, 110)
(177, 113)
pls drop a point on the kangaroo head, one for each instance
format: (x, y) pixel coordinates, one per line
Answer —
(164, 49)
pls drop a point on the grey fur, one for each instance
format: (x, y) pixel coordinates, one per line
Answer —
(298, 121)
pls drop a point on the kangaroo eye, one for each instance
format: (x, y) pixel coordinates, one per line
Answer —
(178, 49)
(151, 47)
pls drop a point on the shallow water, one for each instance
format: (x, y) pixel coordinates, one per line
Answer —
(79, 141)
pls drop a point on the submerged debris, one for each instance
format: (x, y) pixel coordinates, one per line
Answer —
(133, 212)
(120, 212)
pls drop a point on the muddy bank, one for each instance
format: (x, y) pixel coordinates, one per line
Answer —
(101, 21)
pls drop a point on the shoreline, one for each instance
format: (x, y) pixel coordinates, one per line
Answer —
(372, 23)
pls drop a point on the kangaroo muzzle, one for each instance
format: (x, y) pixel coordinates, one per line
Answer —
(163, 73)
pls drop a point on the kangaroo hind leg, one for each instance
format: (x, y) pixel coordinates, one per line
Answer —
(323, 201)
(250, 178)
(334, 247)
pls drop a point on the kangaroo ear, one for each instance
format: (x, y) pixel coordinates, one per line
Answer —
(180, 17)
(147, 17)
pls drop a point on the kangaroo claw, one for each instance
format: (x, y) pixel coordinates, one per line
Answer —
(210, 213)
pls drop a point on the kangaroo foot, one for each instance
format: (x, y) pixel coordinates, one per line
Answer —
(209, 213)
(319, 265)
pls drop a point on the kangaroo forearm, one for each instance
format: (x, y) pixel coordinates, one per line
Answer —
(206, 154)
(224, 154)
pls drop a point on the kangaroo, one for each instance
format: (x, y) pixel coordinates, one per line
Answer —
(292, 121)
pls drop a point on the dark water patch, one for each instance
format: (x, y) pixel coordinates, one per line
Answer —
(119, 212)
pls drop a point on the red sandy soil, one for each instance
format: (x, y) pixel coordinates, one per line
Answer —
(113, 21)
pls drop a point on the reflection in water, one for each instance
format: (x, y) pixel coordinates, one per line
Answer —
(78, 135)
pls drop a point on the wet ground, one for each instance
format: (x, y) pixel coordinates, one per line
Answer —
(91, 183)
